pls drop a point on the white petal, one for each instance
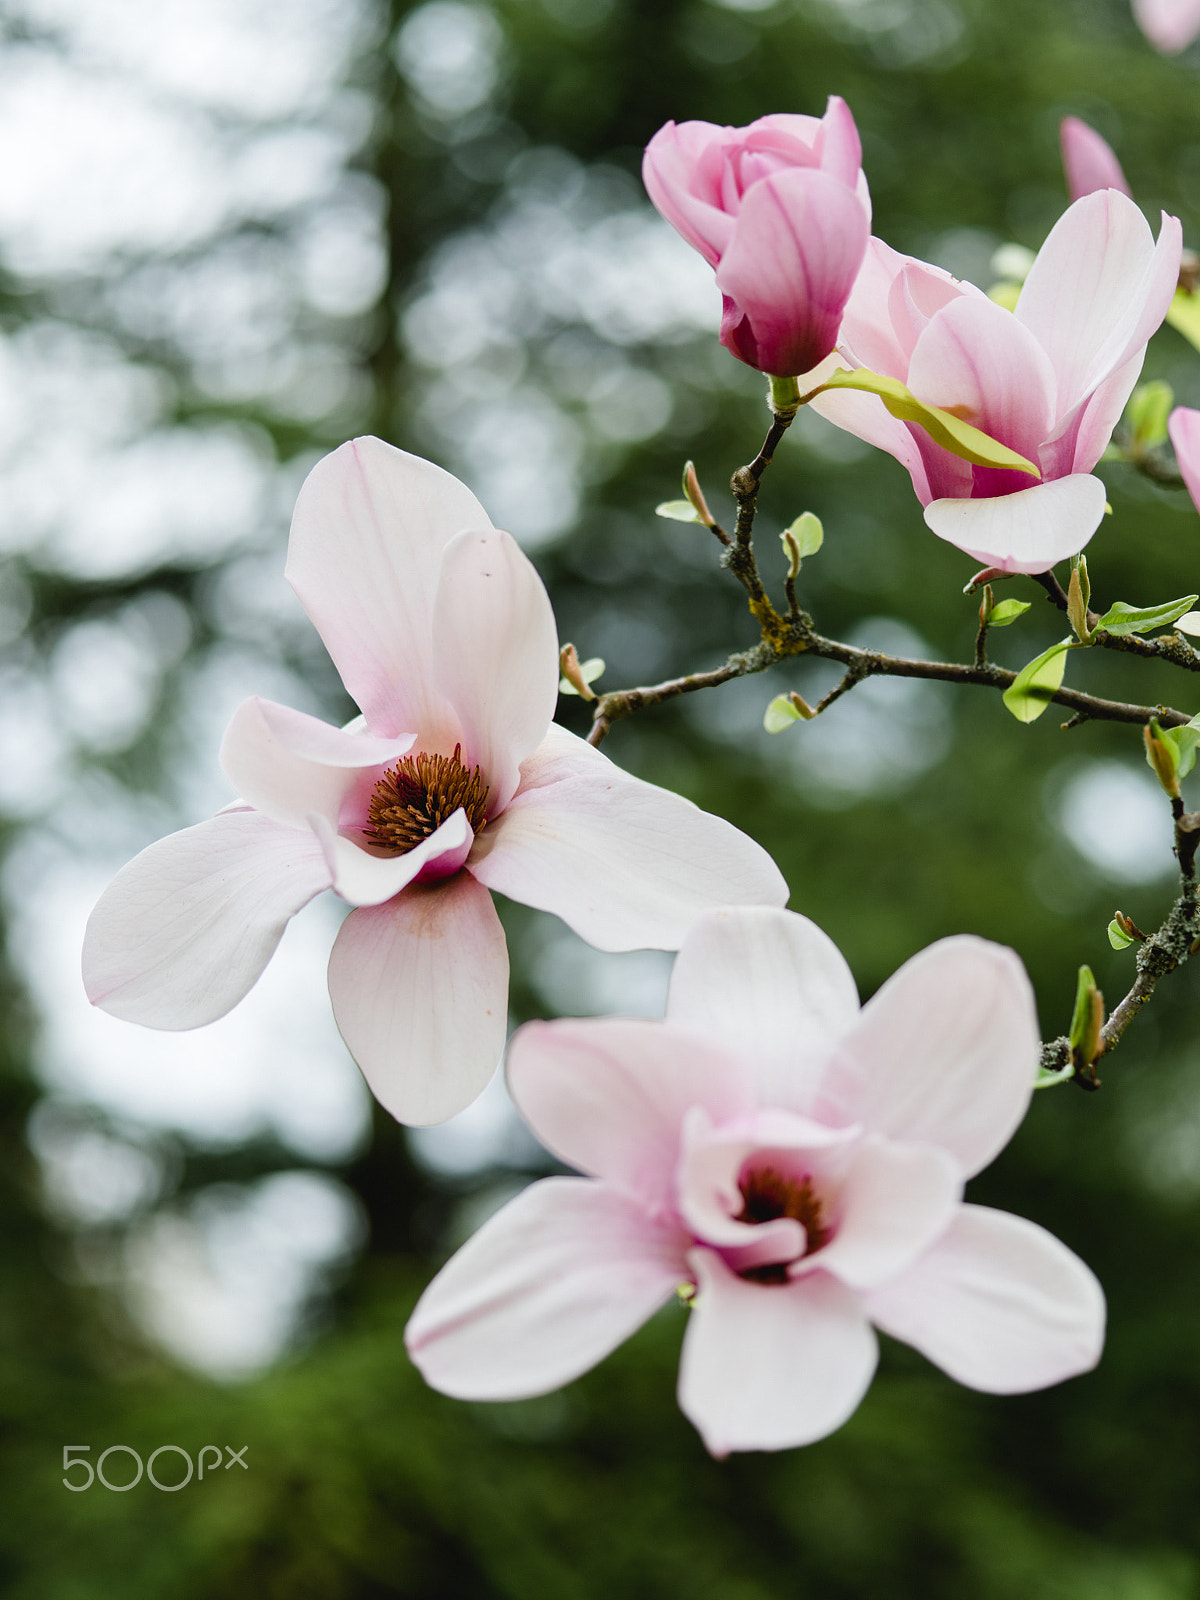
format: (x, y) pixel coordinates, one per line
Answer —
(627, 865)
(769, 1366)
(1024, 532)
(772, 986)
(368, 534)
(495, 654)
(367, 880)
(894, 1201)
(547, 1287)
(944, 1054)
(182, 932)
(287, 764)
(420, 993)
(609, 1095)
(999, 1304)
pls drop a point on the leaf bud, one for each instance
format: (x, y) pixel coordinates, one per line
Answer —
(577, 676)
(694, 495)
(1087, 1020)
(1161, 758)
(1079, 592)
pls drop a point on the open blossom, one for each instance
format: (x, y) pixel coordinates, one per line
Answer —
(1088, 160)
(1049, 379)
(781, 210)
(454, 781)
(1170, 25)
(796, 1162)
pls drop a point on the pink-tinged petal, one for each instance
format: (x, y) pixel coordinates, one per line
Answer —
(944, 1054)
(1024, 532)
(369, 880)
(1184, 428)
(894, 1201)
(998, 1303)
(1088, 160)
(287, 764)
(837, 146)
(550, 1284)
(495, 655)
(975, 359)
(1170, 25)
(770, 985)
(420, 993)
(1099, 288)
(682, 172)
(368, 534)
(769, 1366)
(610, 1095)
(1079, 446)
(182, 932)
(790, 266)
(627, 865)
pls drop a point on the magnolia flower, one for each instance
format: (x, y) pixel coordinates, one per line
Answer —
(453, 782)
(1170, 25)
(1088, 160)
(797, 1165)
(781, 210)
(1183, 425)
(1049, 379)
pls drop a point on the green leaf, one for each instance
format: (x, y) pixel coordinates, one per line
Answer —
(1030, 691)
(1047, 1080)
(1183, 742)
(808, 534)
(1007, 611)
(589, 671)
(951, 432)
(1123, 619)
(1190, 623)
(780, 714)
(1149, 407)
(1082, 1020)
(1117, 937)
(677, 511)
(1184, 316)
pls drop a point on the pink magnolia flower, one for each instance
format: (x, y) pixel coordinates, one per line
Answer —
(796, 1162)
(781, 210)
(1088, 160)
(1170, 25)
(1183, 425)
(453, 782)
(1049, 379)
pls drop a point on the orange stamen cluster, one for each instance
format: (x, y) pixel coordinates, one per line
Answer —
(415, 797)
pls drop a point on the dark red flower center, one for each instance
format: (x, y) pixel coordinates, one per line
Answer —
(768, 1193)
(415, 797)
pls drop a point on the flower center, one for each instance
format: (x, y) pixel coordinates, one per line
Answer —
(415, 797)
(767, 1194)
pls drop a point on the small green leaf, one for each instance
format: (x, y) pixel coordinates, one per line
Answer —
(1031, 690)
(1184, 316)
(1123, 619)
(808, 534)
(1183, 742)
(1117, 937)
(1007, 611)
(677, 511)
(1047, 1080)
(951, 432)
(780, 714)
(589, 671)
(1149, 407)
(1084, 1024)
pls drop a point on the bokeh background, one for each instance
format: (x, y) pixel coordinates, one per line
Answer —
(234, 233)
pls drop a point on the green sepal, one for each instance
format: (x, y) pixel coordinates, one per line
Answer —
(1006, 611)
(1031, 691)
(1123, 619)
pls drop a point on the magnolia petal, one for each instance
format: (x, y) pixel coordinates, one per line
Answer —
(1024, 532)
(1085, 441)
(626, 864)
(998, 1303)
(769, 1366)
(682, 173)
(549, 1285)
(1184, 428)
(610, 1095)
(895, 1200)
(1170, 25)
(790, 266)
(944, 1054)
(495, 655)
(287, 764)
(368, 534)
(420, 993)
(183, 932)
(1088, 160)
(367, 880)
(771, 986)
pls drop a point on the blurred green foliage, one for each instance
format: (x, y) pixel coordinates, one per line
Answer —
(362, 1482)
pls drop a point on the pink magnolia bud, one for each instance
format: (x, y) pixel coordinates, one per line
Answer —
(1088, 160)
(781, 210)
(1170, 25)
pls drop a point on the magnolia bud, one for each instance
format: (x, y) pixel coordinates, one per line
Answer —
(1079, 593)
